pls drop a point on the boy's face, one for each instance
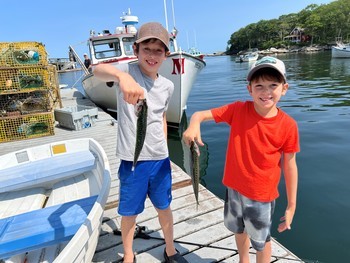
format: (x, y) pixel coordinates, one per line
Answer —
(266, 93)
(151, 56)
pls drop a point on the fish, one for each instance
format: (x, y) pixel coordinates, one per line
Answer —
(141, 109)
(194, 169)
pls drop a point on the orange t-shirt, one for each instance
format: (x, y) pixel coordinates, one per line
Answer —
(255, 147)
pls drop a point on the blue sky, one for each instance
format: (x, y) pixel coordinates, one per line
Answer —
(208, 24)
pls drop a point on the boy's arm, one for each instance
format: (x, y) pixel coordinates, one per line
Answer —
(290, 170)
(131, 90)
(193, 132)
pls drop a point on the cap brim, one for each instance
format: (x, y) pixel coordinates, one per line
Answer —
(149, 37)
(255, 69)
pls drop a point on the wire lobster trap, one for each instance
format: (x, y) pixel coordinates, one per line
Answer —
(25, 79)
(26, 103)
(19, 54)
(26, 127)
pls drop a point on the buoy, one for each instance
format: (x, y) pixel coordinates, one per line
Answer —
(8, 83)
(33, 55)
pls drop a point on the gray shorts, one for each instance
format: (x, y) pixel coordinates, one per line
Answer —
(242, 214)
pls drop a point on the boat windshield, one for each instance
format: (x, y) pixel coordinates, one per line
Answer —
(107, 48)
(128, 43)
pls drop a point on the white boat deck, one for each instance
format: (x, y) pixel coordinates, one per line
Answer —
(200, 234)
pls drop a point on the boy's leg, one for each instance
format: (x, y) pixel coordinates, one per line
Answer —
(243, 245)
(264, 256)
(166, 222)
(128, 224)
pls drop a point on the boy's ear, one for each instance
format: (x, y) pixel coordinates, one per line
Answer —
(285, 88)
(134, 49)
(249, 88)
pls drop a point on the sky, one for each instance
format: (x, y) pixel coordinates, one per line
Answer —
(207, 25)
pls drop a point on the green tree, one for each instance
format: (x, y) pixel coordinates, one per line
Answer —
(322, 22)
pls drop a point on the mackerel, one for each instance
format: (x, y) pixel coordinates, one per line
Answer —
(141, 109)
(194, 169)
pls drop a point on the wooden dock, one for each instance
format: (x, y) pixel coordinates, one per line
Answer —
(199, 233)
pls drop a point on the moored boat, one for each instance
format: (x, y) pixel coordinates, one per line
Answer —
(180, 67)
(64, 64)
(341, 50)
(52, 199)
(195, 52)
(247, 57)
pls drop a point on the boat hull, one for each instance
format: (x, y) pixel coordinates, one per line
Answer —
(341, 51)
(92, 182)
(181, 68)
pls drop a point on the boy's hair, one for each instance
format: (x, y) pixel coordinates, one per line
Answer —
(268, 74)
(277, 66)
(153, 30)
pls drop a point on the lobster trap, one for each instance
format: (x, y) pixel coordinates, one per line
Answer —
(26, 103)
(26, 127)
(25, 79)
(18, 54)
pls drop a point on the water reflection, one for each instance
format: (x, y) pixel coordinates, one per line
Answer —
(317, 82)
(180, 154)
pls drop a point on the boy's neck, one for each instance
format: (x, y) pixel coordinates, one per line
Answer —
(266, 113)
(151, 75)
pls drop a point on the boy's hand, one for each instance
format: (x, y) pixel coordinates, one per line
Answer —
(131, 90)
(286, 220)
(192, 134)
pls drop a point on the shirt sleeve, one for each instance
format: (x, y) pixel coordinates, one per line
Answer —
(292, 144)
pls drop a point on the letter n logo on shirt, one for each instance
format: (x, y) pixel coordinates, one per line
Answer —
(178, 67)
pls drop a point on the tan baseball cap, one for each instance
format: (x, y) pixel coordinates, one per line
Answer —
(153, 30)
(268, 62)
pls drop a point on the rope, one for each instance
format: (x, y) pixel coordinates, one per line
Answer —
(140, 233)
(77, 80)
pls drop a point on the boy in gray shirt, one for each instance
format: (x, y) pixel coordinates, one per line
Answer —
(152, 174)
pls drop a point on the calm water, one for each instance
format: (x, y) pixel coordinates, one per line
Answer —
(319, 99)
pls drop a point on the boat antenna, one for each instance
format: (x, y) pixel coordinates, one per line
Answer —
(188, 42)
(166, 16)
(172, 6)
(195, 38)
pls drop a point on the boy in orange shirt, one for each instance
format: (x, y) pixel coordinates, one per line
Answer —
(263, 139)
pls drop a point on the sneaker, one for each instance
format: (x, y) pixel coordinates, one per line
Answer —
(177, 258)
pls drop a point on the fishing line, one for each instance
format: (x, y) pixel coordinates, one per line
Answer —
(140, 233)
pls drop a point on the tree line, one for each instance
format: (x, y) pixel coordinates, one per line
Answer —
(321, 23)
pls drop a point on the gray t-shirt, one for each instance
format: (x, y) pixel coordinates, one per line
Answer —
(158, 94)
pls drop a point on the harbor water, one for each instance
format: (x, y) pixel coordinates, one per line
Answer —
(319, 100)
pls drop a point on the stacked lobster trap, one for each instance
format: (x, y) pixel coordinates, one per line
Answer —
(29, 91)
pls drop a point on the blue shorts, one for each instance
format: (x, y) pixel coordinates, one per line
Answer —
(242, 214)
(150, 178)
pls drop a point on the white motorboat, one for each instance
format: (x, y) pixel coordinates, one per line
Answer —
(52, 199)
(195, 52)
(248, 57)
(180, 67)
(341, 50)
